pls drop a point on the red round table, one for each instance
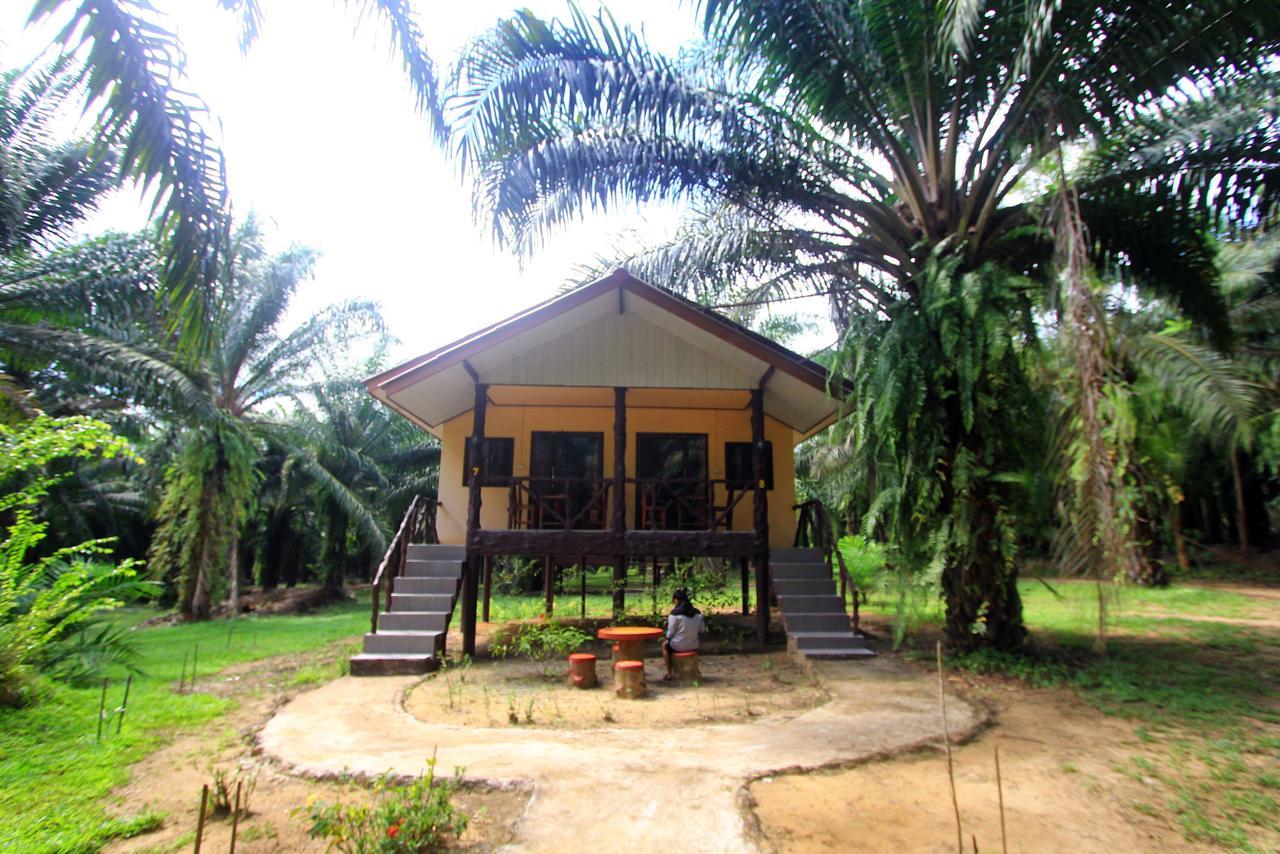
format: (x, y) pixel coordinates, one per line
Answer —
(630, 640)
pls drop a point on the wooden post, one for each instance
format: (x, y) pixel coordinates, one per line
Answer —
(204, 803)
(548, 587)
(488, 585)
(124, 705)
(235, 817)
(471, 570)
(760, 516)
(619, 587)
(102, 706)
(746, 586)
(582, 583)
(619, 461)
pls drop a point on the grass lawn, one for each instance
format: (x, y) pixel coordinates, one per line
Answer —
(1204, 695)
(1201, 693)
(53, 771)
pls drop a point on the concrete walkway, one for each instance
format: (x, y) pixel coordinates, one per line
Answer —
(622, 788)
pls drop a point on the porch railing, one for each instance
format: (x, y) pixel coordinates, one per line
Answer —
(564, 503)
(665, 504)
(417, 526)
(814, 530)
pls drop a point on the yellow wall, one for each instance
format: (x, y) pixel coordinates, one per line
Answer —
(521, 421)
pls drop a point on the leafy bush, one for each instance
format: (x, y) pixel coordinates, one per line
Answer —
(865, 561)
(48, 604)
(538, 640)
(915, 595)
(412, 818)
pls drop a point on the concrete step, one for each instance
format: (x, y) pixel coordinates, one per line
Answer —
(437, 551)
(799, 570)
(419, 643)
(415, 602)
(804, 587)
(839, 653)
(826, 640)
(393, 664)
(827, 622)
(413, 621)
(800, 604)
(415, 568)
(427, 586)
(790, 555)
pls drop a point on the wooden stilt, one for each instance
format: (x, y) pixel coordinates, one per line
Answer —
(619, 587)
(760, 510)
(582, 583)
(548, 587)
(470, 593)
(488, 585)
(471, 568)
(746, 586)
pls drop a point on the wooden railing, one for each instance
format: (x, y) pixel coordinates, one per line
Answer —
(569, 503)
(417, 526)
(560, 503)
(692, 499)
(814, 530)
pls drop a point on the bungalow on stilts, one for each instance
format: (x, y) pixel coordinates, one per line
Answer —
(616, 425)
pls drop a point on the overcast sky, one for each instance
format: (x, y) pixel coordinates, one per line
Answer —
(321, 139)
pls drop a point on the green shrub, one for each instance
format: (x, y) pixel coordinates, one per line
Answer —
(538, 640)
(412, 818)
(48, 604)
(865, 561)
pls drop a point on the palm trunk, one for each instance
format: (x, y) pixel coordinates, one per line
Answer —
(233, 575)
(1242, 518)
(197, 597)
(984, 609)
(1179, 538)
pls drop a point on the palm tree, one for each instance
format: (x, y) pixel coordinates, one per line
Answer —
(248, 373)
(882, 154)
(131, 68)
(380, 459)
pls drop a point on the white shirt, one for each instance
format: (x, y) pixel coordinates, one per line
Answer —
(682, 632)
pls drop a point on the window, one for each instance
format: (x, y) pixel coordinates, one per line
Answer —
(496, 467)
(738, 468)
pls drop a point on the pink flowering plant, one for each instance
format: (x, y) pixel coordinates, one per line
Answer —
(416, 817)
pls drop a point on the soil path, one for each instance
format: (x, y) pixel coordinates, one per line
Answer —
(612, 788)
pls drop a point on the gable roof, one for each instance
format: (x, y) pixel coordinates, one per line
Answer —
(617, 331)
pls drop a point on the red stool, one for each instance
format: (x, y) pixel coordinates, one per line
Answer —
(684, 667)
(582, 670)
(628, 679)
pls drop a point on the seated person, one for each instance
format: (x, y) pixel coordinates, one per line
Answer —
(683, 626)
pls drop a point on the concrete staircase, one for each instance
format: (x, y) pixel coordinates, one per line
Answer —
(814, 616)
(411, 632)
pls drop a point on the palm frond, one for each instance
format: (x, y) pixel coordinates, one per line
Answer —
(1213, 393)
(133, 69)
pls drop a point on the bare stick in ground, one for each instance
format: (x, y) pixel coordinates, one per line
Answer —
(1004, 842)
(235, 817)
(946, 740)
(204, 803)
(102, 707)
(182, 680)
(124, 704)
